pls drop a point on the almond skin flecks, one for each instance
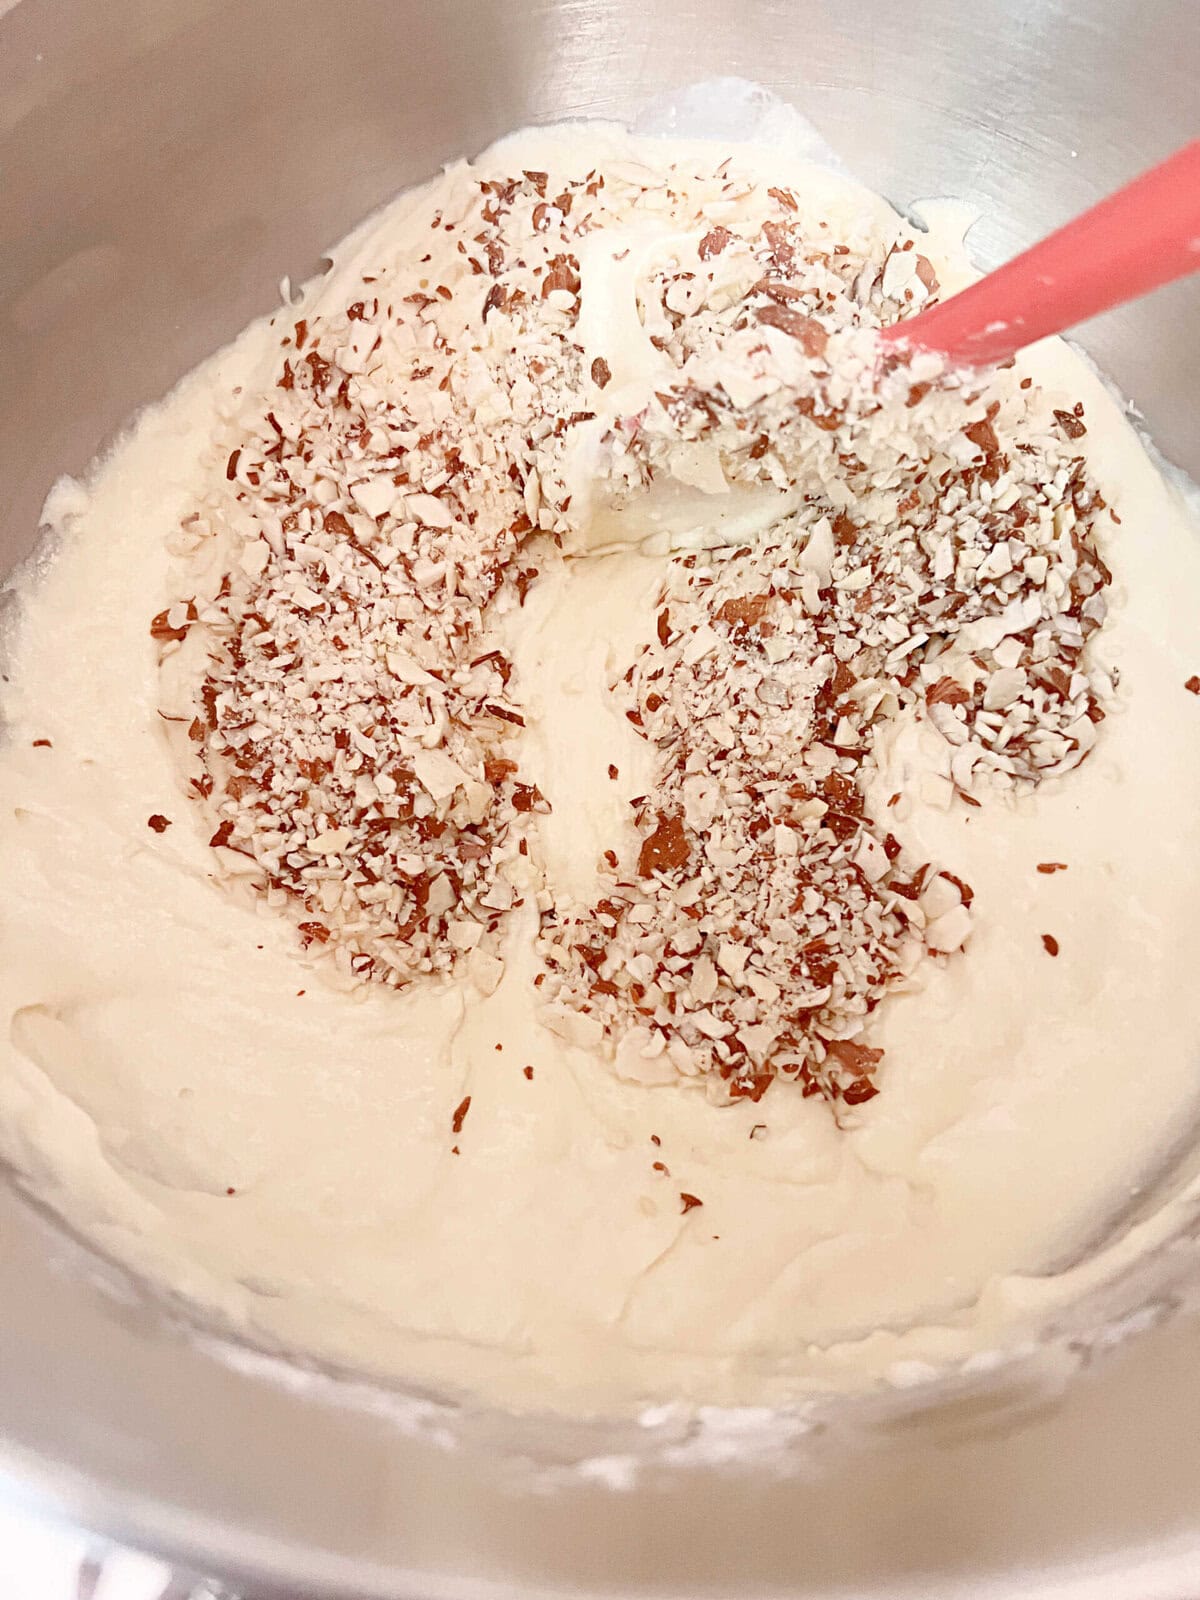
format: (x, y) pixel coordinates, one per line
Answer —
(713, 242)
(764, 953)
(664, 849)
(357, 740)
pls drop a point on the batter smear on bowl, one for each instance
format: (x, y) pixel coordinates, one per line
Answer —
(574, 767)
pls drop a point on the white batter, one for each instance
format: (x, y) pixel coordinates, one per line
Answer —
(164, 1044)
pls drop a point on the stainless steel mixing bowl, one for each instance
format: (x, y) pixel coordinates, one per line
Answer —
(162, 164)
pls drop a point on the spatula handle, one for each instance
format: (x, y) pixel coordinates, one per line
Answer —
(1144, 235)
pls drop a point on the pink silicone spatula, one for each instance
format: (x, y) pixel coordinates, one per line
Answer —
(1144, 235)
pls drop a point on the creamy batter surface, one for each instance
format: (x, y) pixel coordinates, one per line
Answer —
(568, 840)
